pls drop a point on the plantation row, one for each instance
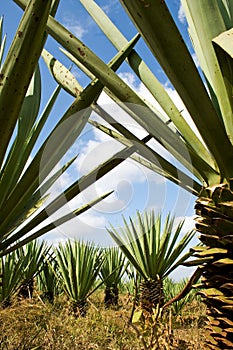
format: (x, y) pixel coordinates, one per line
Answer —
(79, 268)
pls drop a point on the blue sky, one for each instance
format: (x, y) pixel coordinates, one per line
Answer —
(136, 188)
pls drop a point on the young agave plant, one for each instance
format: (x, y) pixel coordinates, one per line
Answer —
(11, 273)
(111, 272)
(79, 264)
(153, 251)
(19, 268)
(33, 255)
(172, 289)
(48, 279)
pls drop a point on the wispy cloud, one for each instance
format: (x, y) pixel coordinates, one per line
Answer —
(111, 6)
(75, 27)
(181, 14)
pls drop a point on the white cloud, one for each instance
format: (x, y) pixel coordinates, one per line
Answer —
(111, 6)
(181, 14)
(189, 223)
(74, 26)
(128, 78)
(88, 226)
(125, 179)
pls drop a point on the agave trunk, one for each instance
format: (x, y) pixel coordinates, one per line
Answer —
(79, 308)
(111, 296)
(151, 294)
(48, 296)
(26, 289)
(215, 223)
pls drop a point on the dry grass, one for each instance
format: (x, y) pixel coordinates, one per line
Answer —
(31, 324)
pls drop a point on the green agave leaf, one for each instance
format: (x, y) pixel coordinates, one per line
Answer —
(16, 161)
(164, 135)
(122, 91)
(4, 250)
(126, 249)
(226, 8)
(147, 77)
(163, 38)
(205, 23)
(113, 267)
(157, 163)
(33, 254)
(59, 146)
(9, 166)
(223, 49)
(30, 108)
(11, 276)
(61, 74)
(13, 73)
(36, 201)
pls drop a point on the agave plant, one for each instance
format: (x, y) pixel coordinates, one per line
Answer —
(33, 255)
(48, 278)
(172, 288)
(11, 273)
(19, 269)
(209, 103)
(111, 272)
(154, 251)
(79, 264)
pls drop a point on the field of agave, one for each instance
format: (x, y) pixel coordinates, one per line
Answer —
(83, 297)
(131, 278)
(72, 273)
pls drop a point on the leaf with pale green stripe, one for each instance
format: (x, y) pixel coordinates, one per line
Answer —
(30, 37)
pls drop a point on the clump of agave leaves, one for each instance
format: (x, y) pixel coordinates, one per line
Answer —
(111, 272)
(19, 270)
(79, 264)
(48, 278)
(154, 251)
